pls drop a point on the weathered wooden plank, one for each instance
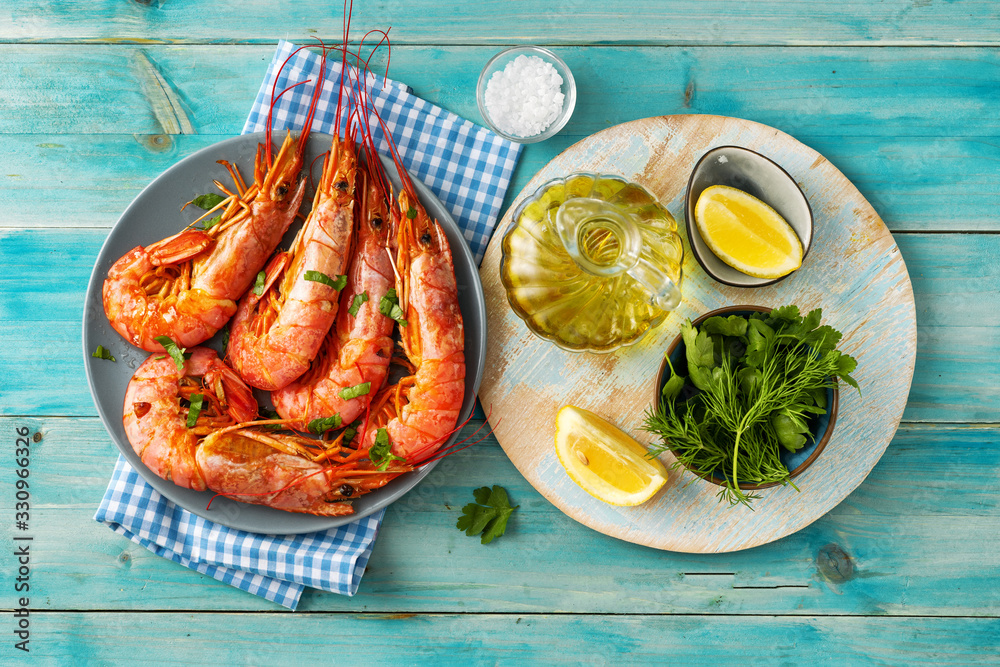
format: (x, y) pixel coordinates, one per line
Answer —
(539, 21)
(40, 323)
(899, 545)
(893, 120)
(506, 639)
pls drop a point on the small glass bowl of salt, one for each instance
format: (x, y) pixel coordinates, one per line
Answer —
(526, 94)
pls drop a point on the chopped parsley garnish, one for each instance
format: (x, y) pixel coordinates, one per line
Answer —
(103, 353)
(489, 516)
(321, 426)
(337, 283)
(270, 414)
(211, 222)
(258, 285)
(380, 453)
(209, 201)
(411, 212)
(356, 304)
(195, 409)
(178, 354)
(389, 306)
(347, 393)
(351, 431)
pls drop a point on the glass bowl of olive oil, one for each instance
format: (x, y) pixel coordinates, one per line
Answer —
(592, 262)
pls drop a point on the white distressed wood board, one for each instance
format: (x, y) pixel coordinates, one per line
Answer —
(854, 272)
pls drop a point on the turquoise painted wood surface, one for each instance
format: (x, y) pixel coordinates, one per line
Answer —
(900, 95)
(539, 21)
(880, 552)
(892, 119)
(517, 639)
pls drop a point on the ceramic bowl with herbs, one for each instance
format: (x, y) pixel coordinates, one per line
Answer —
(747, 396)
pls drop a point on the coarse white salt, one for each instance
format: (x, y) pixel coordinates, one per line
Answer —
(525, 97)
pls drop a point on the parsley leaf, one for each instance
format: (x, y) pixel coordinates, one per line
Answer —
(489, 516)
(337, 283)
(225, 337)
(380, 453)
(411, 212)
(356, 304)
(389, 306)
(103, 353)
(270, 414)
(258, 284)
(211, 222)
(206, 202)
(321, 426)
(347, 393)
(176, 353)
(351, 431)
(195, 409)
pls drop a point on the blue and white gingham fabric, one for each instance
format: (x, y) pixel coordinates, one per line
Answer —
(468, 168)
(275, 567)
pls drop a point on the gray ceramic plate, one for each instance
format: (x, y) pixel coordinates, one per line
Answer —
(154, 214)
(759, 176)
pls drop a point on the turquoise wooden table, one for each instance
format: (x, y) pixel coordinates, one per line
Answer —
(900, 95)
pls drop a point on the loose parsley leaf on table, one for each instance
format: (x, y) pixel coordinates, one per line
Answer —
(489, 516)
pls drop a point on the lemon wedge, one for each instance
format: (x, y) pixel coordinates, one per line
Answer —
(605, 462)
(746, 233)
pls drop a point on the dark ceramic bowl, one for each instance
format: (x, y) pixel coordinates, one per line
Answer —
(820, 427)
(751, 172)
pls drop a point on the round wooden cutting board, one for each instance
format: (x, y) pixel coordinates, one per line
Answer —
(854, 272)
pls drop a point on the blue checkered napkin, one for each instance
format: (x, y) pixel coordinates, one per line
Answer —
(465, 165)
(469, 168)
(275, 567)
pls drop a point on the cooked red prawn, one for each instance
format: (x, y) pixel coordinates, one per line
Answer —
(217, 452)
(291, 472)
(422, 409)
(156, 418)
(276, 334)
(359, 347)
(185, 287)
